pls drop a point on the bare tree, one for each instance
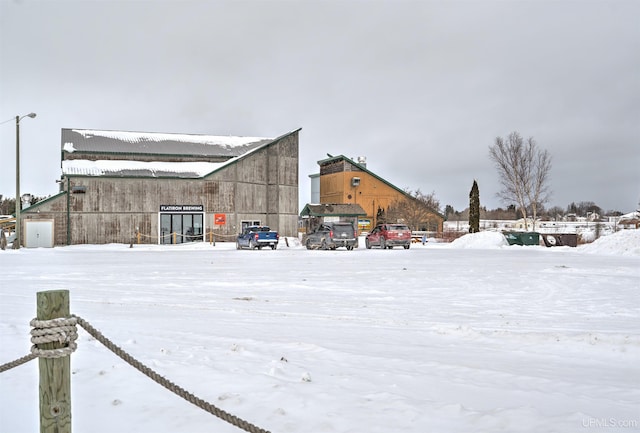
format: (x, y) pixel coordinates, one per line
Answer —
(416, 209)
(524, 173)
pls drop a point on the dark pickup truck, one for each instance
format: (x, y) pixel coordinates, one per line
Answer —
(331, 236)
(257, 237)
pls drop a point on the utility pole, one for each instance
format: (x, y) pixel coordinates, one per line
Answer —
(16, 241)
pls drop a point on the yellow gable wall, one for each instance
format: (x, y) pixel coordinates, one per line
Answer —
(371, 194)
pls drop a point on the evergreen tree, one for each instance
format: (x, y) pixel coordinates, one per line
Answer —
(474, 209)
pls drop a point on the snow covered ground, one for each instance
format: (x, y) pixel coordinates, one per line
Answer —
(473, 336)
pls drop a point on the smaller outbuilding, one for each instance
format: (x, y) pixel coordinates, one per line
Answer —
(315, 214)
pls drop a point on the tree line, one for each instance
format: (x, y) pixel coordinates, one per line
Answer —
(8, 205)
(581, 209)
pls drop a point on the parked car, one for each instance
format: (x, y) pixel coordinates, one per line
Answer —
(257, 237)
(332, 236)
(389, 236)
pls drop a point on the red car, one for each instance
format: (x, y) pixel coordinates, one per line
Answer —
(389, 236)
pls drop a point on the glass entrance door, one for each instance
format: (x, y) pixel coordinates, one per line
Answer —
(165, 229)
(178, 228)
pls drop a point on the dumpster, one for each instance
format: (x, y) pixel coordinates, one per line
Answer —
(560, 239)
(522, 238)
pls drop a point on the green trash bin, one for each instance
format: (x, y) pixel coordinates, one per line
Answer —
(522, 238)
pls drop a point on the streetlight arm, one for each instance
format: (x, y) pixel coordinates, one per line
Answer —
(18, 118)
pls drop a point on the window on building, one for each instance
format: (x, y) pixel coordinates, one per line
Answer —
(249, 223)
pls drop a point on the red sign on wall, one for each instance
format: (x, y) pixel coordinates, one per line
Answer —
(220, 219)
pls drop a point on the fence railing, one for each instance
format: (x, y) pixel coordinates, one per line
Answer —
(54, 338)
(175, 237)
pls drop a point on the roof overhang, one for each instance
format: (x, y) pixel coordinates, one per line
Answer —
(333, 209)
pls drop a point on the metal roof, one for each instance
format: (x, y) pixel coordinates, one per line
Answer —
(150, 143)
(89, 163)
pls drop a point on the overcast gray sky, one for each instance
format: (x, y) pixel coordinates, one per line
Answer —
(421, 88)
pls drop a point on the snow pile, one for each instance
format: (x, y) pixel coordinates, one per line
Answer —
(480, 240)
(624, 242)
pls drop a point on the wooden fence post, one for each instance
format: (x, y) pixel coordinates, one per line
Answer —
(55, 373)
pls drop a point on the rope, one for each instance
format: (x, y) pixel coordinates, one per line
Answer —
(202, 236)
(61, 330)
(202, 404)
(18, 362)
(219, 235)
(169, 235)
